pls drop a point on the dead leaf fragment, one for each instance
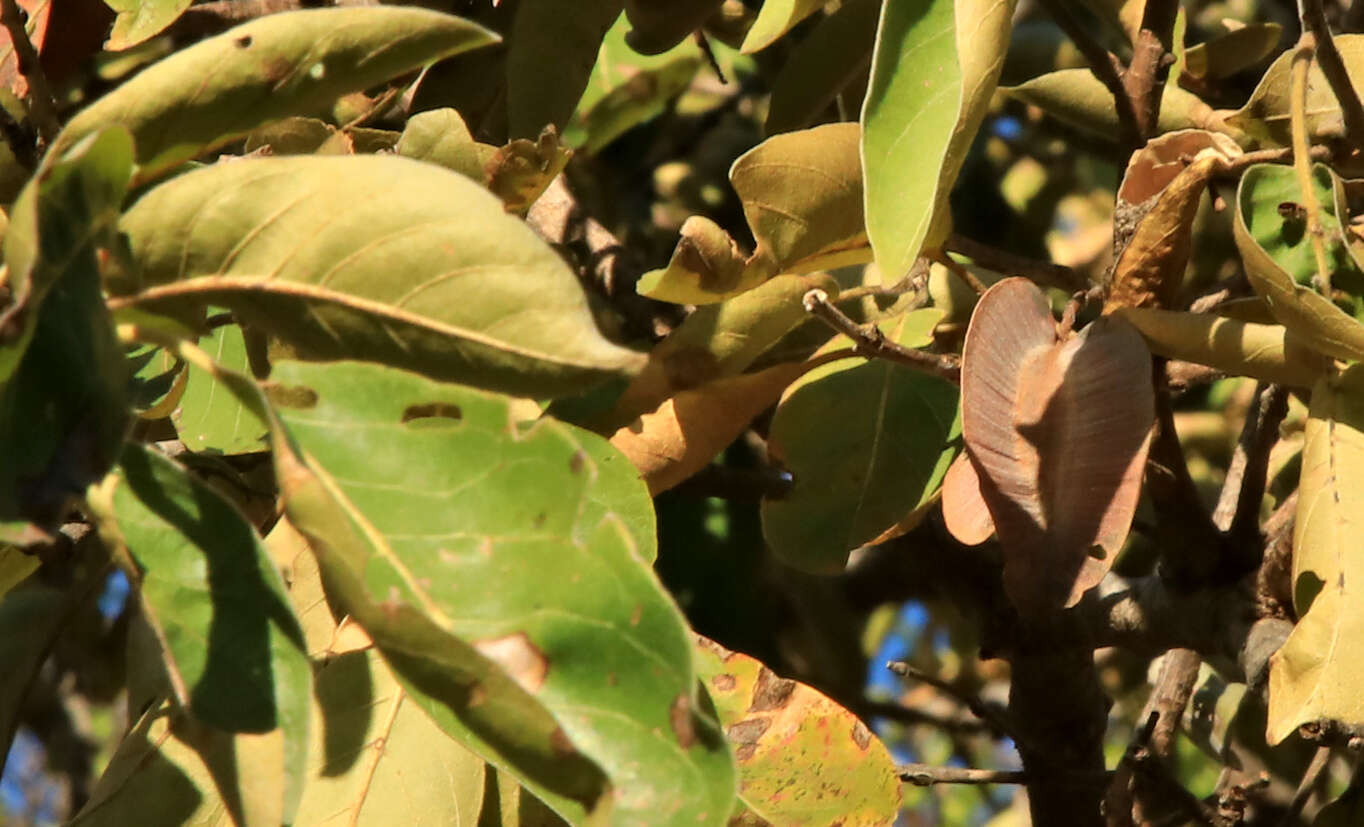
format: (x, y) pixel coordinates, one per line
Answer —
(520, 171)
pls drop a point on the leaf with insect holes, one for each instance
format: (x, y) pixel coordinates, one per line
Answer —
(428, 545)
(1058, 432)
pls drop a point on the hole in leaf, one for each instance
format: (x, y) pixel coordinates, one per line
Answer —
(244, 41)
(432, 410)
(291, 396)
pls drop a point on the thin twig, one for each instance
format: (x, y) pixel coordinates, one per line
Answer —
(911, 717)
(42, 106)
(1144, 80)
(1302, 163)
(926, 775)
(1238, 509)
(1104, 66)
(960, 272)
(991, 715)
(1310, 778)
(870, 342)
(1333, 67)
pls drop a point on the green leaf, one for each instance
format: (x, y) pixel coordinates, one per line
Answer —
(1077, 98)
(718, 340)
(553, 47)
(829, 59)
(411, 541)
(1268, 352)
(210, 419)
(1265, 117)
(232, 646)
(776, 18)
(292, 63)
(139, 20)
(867, 444)
(422, 269)
(63, 377)
(1315, 675)
(933, 72)
(1320, 323)
(802, 197)
(626, 89)
(441, 137)
(803, 759)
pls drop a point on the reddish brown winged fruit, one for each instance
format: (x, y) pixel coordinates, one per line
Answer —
(1056, 428)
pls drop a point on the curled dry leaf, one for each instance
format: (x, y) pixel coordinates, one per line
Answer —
(1268, 352)
(1161, 192)
(802, 197)
(1316, 674)
(1058, 431)
(520, 171)
(780, 728)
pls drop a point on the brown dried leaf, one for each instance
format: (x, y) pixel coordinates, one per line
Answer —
(1163, 185)
(520, 171)
(686, 432)
(1058, 432)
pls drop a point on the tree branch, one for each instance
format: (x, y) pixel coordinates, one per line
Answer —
(1043, 273)
(42, 106)
(870, 342)
(925, 775)
(1144, 80)
(993, 717)
(1104, 66)
(1333, 67)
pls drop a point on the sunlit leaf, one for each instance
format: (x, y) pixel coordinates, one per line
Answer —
(1058, 431)
(292, 63)
(1265, 117)
(933, 73)
(688, 430)
(775, 18)
(1315, 675)
(210, 418)
(139, 20)
(1268, 352)
(1077, 98)
(410, 540)
(783, 730)
(15, 567)
(422, 269)
(866, 444)
(1302, 310)
(232, 647)
(1225, 55)
(719, 340)
(802, 196)
(440, 136)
